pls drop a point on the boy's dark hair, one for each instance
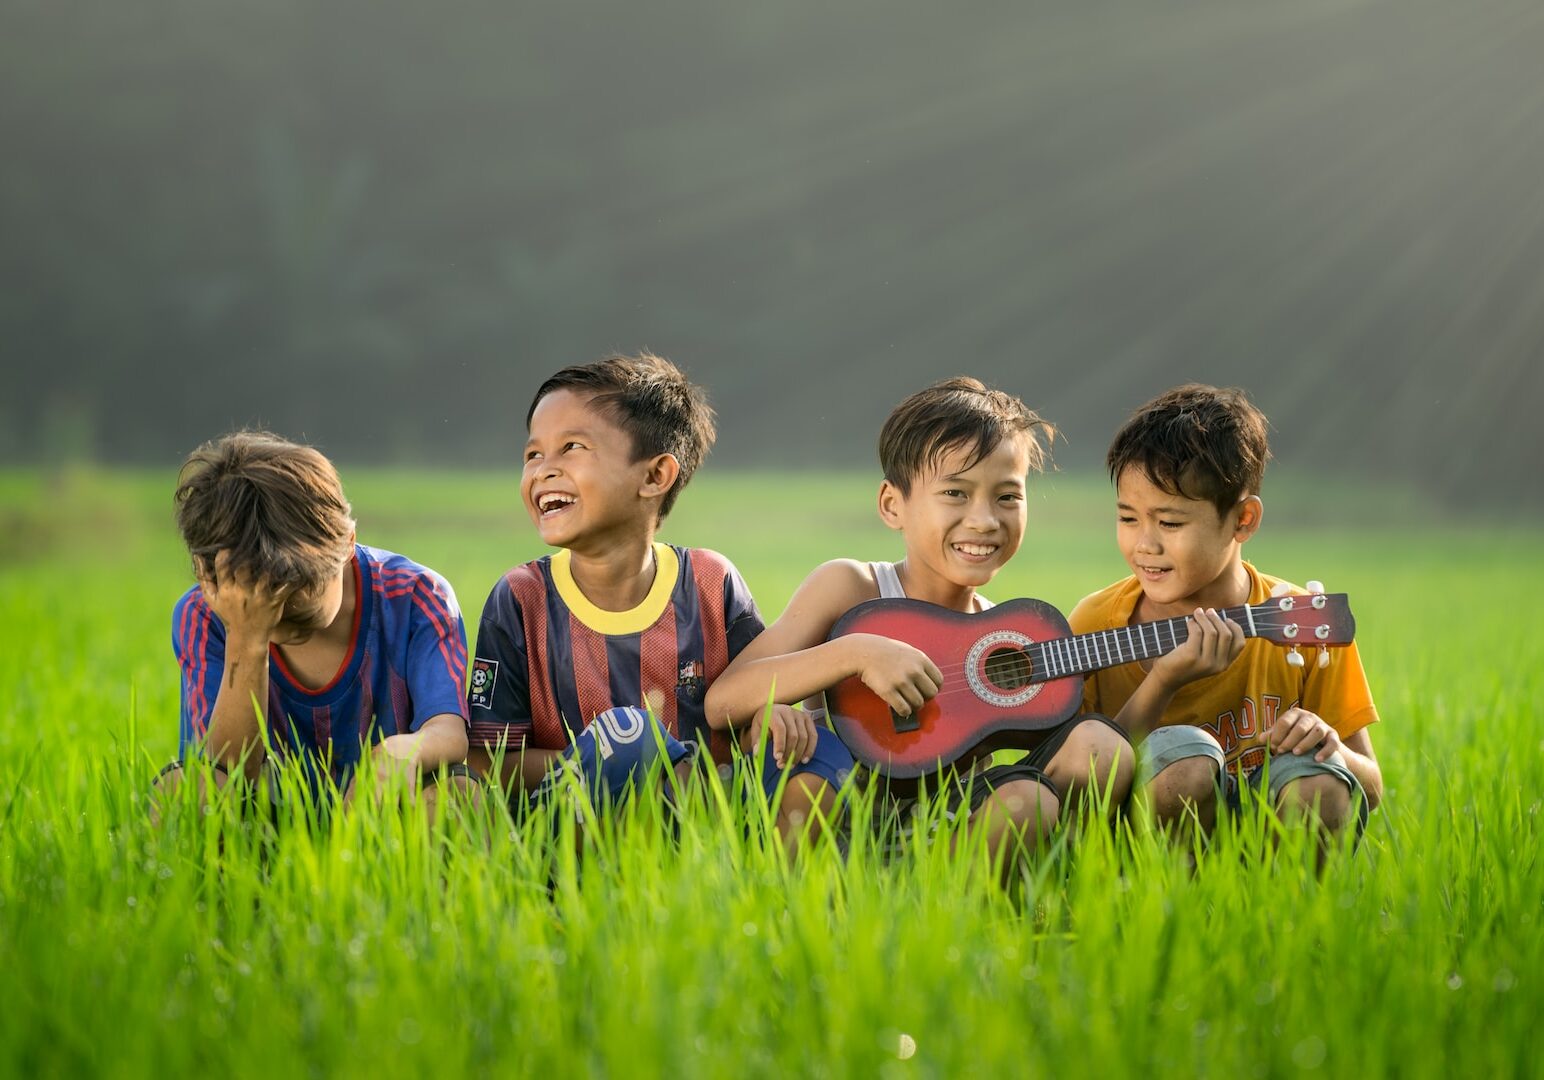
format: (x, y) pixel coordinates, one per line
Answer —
(1196, 441)
(955, 413)
(650, 399)
(276, 506)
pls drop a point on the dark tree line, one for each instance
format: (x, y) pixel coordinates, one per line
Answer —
(377, 225)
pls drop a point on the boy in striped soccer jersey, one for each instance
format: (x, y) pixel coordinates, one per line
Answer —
(602, 653)
(355, 656)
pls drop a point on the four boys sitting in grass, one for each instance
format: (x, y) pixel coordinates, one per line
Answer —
(618, 655)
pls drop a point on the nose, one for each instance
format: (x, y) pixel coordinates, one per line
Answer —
(1148, 540)
(980, 518)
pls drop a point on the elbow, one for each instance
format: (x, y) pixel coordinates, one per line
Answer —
(715, 711)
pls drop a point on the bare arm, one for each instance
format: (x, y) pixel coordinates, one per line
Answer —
(530, 765)
(441, 740)
(250, 612)
(793, 656)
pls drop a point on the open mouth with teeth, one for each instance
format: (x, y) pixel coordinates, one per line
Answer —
(549, 503)
(975, 552)
(1153, 573)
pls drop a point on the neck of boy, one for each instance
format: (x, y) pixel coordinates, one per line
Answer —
(616, 579)
(920, 585)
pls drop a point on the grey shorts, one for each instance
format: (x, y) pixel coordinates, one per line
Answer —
(1166, 745)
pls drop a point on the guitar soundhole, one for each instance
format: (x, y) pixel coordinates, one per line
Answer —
(1008, 669)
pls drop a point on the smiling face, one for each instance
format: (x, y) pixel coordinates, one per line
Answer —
(581, 484)
(962, 524)
(1183, 551)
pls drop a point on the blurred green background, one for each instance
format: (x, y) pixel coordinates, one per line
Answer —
(376, 225)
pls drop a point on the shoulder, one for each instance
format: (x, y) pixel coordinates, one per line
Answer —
(1107, 606)
(526, 585)
(190, 603)
(390, 564)
(1262, 585)
(1110, 606)
(705, 562)
(834, 587)
(398, 577)
(191, 612)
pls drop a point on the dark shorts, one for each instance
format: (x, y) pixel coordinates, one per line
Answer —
(831, 762)
(965, 792)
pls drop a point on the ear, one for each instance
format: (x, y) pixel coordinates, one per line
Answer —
(892, 505)
(659, 476)
(1250, 511)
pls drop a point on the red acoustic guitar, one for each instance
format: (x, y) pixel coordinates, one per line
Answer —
(1016, 670)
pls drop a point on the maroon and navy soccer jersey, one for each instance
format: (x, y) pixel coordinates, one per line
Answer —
(406, 663)
(549, 661)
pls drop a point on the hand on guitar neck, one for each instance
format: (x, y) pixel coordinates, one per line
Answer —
(1213, 643)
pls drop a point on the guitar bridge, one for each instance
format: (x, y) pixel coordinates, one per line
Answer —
(905, 723)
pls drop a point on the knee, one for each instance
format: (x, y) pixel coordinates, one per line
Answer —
(1324, 795)
(1188, 783)
(1031, 808)
(1095, 750)
(803, 795)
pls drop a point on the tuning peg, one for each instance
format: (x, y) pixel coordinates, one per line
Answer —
(1294, 658)
(1324, 657)
(1316, 586)
(1281, 589)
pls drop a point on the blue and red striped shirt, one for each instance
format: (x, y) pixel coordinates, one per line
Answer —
(548, 661)
(406, 663)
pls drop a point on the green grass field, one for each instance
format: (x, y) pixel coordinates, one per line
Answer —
(376, 945)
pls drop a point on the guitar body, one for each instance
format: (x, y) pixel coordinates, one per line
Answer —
(991, 698)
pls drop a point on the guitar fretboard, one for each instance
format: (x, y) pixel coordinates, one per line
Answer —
(1083, 653)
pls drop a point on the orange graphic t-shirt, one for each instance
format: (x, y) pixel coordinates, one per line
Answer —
(1240, 705)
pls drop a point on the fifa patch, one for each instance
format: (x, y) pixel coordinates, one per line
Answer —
(485, 674)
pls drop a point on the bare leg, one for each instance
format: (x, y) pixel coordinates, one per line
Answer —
(1324, 802)
(805, 809)
(1184, 795)
(1016, 819)
(1094, 759)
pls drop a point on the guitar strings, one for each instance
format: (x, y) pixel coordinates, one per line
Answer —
(1271, 618)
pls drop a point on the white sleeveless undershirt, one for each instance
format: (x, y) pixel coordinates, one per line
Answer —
(889, 581)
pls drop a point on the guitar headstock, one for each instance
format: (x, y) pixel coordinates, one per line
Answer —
(1317, 618)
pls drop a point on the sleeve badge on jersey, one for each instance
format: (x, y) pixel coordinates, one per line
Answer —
(485, 674)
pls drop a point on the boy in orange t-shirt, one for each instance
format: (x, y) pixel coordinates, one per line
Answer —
(1219, 712)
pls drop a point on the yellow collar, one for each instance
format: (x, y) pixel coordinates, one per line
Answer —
(667, 567)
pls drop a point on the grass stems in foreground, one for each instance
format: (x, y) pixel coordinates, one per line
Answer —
(362, 944)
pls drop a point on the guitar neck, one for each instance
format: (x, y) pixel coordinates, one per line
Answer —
(1082, 654)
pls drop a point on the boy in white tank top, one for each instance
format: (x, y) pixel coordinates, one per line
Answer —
(956, 457)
